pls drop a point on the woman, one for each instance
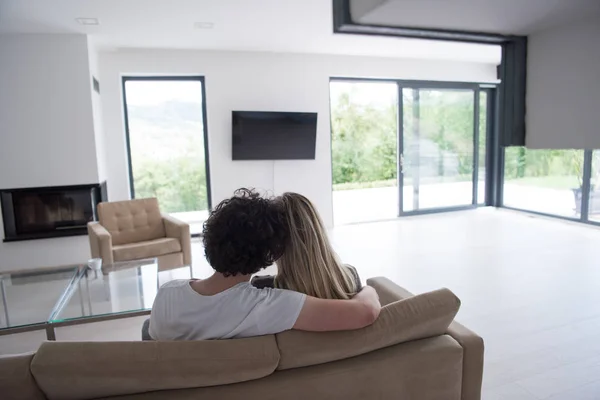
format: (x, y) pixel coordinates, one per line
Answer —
(309, 265)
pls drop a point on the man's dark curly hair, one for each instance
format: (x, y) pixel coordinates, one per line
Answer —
(244, 234)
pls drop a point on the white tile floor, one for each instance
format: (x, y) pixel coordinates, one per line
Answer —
(529, 286)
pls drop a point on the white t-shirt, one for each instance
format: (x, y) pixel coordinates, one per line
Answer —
(181, 313)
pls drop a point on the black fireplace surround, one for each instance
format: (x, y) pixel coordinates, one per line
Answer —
(47, 212)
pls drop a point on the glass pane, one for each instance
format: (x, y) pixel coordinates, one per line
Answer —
(121, 288)
(29, 297)
(594, 213)
(166, 139)
(483, 113)
(546, 181)
(438, 148)
(364, 130)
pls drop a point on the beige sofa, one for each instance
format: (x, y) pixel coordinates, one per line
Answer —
(413, 351)
(136, 229)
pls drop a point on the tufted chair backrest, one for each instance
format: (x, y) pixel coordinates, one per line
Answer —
(132, 220)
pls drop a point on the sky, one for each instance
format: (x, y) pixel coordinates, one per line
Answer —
(147, 93)
(377, 94)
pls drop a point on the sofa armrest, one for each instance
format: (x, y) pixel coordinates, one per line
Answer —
(16, 381)
(179, 230)
(473, 349)
(100, 242)
(387, 290)
(471, 343)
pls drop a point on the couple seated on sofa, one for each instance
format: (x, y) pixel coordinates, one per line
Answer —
(312, 291)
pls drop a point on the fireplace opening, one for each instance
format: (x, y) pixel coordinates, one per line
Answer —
(36, 213)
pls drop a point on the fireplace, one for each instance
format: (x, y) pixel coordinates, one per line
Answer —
(39, 213)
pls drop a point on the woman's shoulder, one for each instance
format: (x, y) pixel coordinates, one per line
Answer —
(351, 268)
(355, 276)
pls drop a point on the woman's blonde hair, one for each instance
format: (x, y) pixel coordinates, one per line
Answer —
(309, 264)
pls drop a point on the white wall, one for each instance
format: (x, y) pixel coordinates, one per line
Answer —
(563, 87)
(43, 252)
(46, 132)
(45, 112)
(261, 82)
(99, 137)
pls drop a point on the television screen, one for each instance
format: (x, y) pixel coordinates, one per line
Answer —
(274, 135)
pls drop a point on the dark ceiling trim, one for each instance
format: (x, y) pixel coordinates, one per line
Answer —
(343, 23)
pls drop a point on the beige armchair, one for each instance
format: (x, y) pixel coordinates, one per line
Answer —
(136, 229)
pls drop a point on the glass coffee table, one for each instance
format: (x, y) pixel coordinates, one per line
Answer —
(30, 297)
(79, 295)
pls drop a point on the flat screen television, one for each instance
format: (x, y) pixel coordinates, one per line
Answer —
(273, 135)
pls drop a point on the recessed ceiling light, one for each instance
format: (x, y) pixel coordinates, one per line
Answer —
(87, 21)
(204, 25)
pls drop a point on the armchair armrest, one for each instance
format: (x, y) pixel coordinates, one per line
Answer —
(179, 230)
(100, 242)
(472, 344)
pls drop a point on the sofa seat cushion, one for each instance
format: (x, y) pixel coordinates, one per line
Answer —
(90, 370)
(147, 249)
(418, 317)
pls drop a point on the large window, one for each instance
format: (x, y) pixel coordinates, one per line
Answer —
(364, 126)
(546, 181)
(409, 147)
(483, 145)
(166, 134)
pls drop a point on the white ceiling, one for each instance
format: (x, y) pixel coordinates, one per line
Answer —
(295, 26)
(518, 17)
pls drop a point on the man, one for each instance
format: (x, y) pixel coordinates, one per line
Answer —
(243, 235)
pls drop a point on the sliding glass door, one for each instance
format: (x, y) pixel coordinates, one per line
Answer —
(439, 157)
(408, 147)
(166, 137)
(594, 196)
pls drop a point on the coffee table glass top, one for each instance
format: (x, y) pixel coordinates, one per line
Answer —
(30, 297)
(119, 288)
(47, 298)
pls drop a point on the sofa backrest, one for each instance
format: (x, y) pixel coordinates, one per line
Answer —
(87, 370)
(132, 221)
(427, 369)
(418, 317)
